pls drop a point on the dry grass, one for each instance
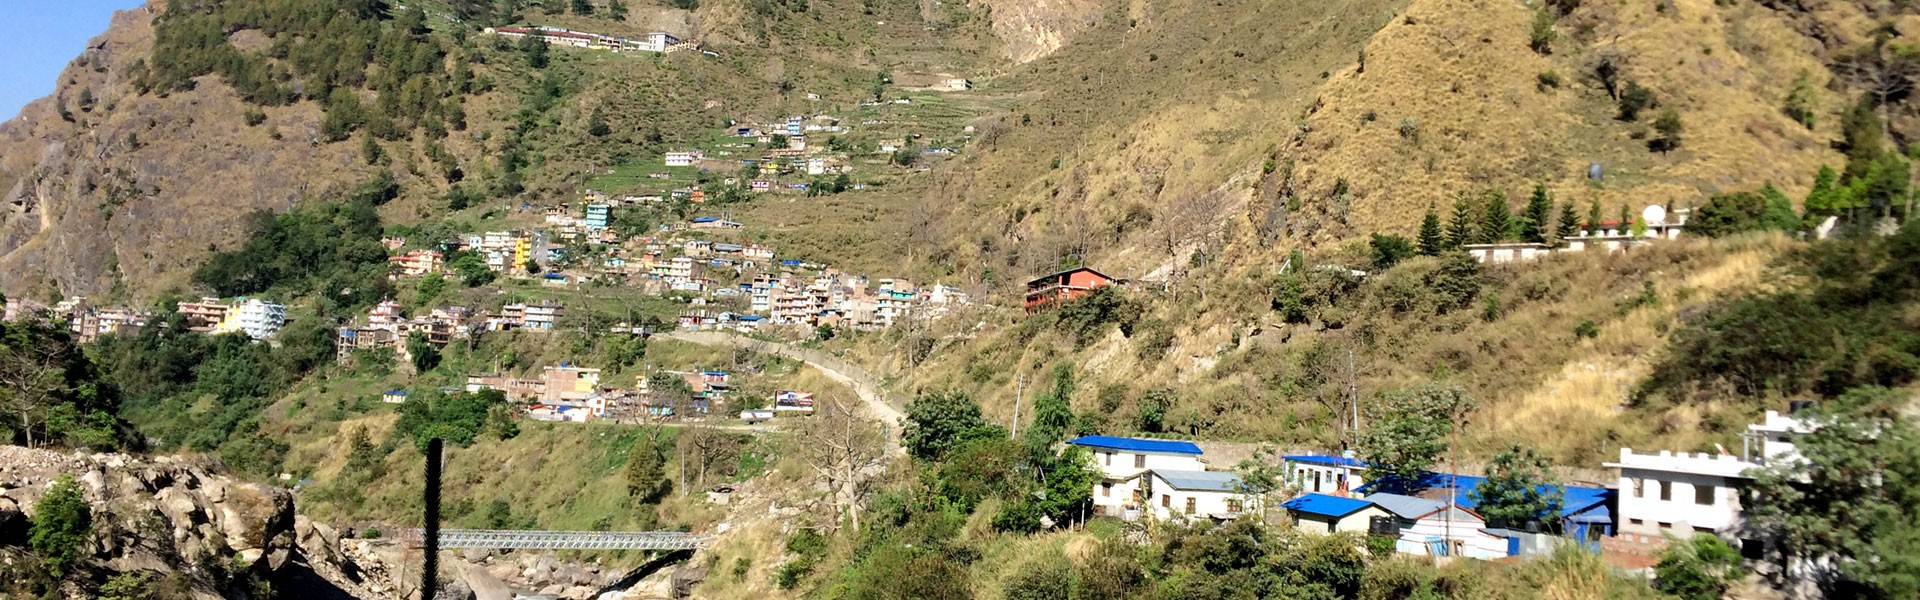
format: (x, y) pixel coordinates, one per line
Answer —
(1463, 69)
(1593, 387)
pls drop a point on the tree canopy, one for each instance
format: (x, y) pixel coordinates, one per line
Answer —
(1407, 430)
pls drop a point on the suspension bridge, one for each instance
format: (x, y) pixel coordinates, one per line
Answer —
(560, 540)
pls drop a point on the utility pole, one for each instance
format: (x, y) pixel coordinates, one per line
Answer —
(1353, 396)
(1019, 391)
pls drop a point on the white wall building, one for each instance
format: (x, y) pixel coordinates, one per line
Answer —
(684, 159)
(1432, 528)
(1123, 462)
(258, 319)
(1180, 494)
(1322, 473)
(1679, 494)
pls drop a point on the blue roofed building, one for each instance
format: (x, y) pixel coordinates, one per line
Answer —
(1586, 513)
(1217, 495)
(1324, 473)
(1123, 464)
(1322, 513)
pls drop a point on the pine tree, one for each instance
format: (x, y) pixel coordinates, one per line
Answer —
(1460, 229)
(1779, 214)
(1827, 197)
(1593, 219)
(1431, 240)
(1539, 215)
(1496, 219)
(1569, 223)
(1626, 219)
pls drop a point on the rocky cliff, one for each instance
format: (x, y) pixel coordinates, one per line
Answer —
(102, 186)
(189, 528)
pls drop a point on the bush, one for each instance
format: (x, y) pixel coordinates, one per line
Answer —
(1633, 100)
(1540, 39)
(1586, 330)
(1046, 578)
(62, 522)
(1086, 317)
(1669, 126)
(1698, 568)
(1547, 80)
(1389, 250)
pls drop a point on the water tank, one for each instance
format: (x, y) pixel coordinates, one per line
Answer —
(1386, 526)
(1595, 171)
(1533, 527)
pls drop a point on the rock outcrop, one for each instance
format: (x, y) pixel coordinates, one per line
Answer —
(180, 515)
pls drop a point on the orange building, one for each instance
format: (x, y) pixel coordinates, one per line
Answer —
(1043, 292)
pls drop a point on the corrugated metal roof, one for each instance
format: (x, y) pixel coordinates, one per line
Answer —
(1575, 499)
(1136, 444)
(1326, 459)
(1406, 507)
(1322, 504)
(1204, 481)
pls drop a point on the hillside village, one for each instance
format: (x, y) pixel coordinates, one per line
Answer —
(784, 305)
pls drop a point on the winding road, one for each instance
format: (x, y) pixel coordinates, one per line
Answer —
(864, 384)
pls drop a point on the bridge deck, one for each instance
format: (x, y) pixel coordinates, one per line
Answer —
(560, 540)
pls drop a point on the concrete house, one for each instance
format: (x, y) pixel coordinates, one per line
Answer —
(1432, 528)
(1123, 463)
(1680, 494)
(1045, 291)
(1321, 513)
(1323, 473)
(1181, 494)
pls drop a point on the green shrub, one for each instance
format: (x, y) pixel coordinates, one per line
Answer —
(1633, 100)
(1586, 329)
(1547, 80)
(62, 523)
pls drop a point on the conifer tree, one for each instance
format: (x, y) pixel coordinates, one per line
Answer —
(1569, 223)
(1460, 229)
(1496, 219)
(1432, 241)
(1593, 218)
(1626, 218)
(1827, 197)
(1539, 215)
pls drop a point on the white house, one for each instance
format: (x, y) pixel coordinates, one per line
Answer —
(657, 42)
(1197, 494)
(1679, 494)
(1123, 462)
(685, 158)
(1323, 473)
(1432, 528)
(1321, 513)
(258, 319)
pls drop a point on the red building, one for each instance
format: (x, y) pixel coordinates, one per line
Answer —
(1046, 290)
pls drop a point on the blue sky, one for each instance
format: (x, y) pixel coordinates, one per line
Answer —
(42, 37)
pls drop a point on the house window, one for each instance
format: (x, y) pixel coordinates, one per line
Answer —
(1666, 490)
(1106, 490)
(1316, 481)
(1166, 501)
(1637, 522)
(1703, 494)
(1106, 459)
(1639, 487)
(1666, 525)
(1699, 529)
(1190, 504)
(1139, 461)
(1233, 506)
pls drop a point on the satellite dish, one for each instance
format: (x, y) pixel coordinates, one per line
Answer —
(1654, 215)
